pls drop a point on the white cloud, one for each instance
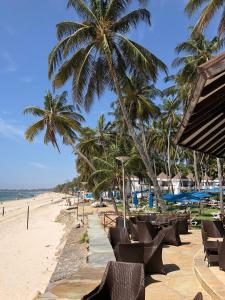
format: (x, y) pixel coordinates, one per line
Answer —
(38, 165)
(9, 64)
(7, 129)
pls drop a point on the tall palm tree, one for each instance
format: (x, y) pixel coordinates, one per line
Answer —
(97, 54)
(210, 8)
(56, 118)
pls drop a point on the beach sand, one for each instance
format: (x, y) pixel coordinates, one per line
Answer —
(28, 257)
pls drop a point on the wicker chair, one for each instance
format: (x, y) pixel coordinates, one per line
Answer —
(121, 281)
(133, 253)
(213, 228)
(172, 237)
(134, 229)
(182, 225)
(146, 232)
(118, 235)
(221, 250)
(209, 246)
(198, 297)
(153, 254)
(120, 223)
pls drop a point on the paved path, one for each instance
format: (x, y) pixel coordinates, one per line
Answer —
(180, 282)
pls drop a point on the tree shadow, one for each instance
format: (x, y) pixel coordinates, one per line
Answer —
(149, 280)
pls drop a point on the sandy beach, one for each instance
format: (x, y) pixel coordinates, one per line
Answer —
(28, 257)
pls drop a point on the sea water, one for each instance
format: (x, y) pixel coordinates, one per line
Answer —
(6, 195)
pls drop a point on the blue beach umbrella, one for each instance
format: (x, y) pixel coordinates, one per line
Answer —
(200, 195)
(135, 199)
(150, 200)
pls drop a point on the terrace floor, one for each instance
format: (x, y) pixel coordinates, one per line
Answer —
(180, 281)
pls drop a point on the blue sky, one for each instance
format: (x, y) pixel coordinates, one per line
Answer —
(27, 34)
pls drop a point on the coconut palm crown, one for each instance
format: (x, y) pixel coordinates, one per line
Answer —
(57, 117)
(210, 8)
(97, 49)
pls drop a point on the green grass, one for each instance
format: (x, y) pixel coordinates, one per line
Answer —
(84, 238)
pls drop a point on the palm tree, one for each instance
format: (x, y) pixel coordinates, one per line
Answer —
(97, 54)
(56, 118)
(211, 7)
(170, 120)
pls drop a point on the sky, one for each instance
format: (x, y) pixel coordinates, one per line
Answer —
(27, 35)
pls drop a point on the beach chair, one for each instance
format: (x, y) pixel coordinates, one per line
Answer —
(121, 281)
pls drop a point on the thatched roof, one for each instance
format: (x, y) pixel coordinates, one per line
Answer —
(190, 176)
(203, 124)
(178, 176)
(163, 176)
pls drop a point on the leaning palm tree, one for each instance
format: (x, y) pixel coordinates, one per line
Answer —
(56, 118)
(211, 7)
(95, 53)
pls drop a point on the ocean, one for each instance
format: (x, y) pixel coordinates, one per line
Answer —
(6, 195)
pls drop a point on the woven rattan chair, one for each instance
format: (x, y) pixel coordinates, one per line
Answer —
(182, 225)
(118, 235)
(133, 253)
(121, 281)
(120, 223)
(172, 237)
(198, 297)
(213, 228)
(134, 229)
(146, 232)
(153, 254)
(221, 250)
(209, 246)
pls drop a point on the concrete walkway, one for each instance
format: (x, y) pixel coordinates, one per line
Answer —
(180, 282)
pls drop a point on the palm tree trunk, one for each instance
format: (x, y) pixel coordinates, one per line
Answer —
(168, 158)
(196, 171)
(221, 185)
(144, 156)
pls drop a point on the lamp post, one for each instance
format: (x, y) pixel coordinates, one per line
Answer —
(123, 159)
(84, 183)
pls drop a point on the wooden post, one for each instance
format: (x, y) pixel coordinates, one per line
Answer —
(28, 212)
(3, 211)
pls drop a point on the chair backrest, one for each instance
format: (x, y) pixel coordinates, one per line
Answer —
(221, 252)
(198, 297)
(182, 225)
(146, 232)
(133, 253)
(124, 281)
(213, 228)
(155, 244)
(120, 223)
(118, 235)
(143, 218)
(204, 235)
(120, 281)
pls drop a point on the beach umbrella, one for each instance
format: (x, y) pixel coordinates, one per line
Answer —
(200, 195)
(150, 200)
(135, 199)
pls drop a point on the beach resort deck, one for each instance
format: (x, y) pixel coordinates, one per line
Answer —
(187, 272)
